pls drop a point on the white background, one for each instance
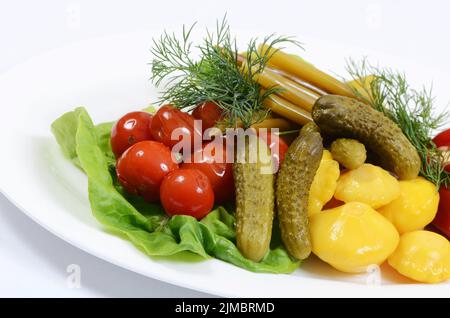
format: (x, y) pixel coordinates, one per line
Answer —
(33, 262)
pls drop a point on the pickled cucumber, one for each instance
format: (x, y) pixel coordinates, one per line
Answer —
(293, 185)
(348, 152)
(340, 116)
(255, 198)
(309, 127)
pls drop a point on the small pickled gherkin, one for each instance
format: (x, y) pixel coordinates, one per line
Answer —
(350, 153)
(292, 191)
(255, 198)
(309, 127)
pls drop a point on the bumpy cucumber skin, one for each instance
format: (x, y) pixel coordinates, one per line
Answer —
(255, 200)
(340, 116)
(350, 153)
(292, 191)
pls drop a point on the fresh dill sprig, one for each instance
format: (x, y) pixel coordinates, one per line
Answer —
(216, 75)
(389, 92)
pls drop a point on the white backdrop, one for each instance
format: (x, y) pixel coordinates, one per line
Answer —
(33, 262)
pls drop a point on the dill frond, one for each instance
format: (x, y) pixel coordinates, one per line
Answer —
(215, 75)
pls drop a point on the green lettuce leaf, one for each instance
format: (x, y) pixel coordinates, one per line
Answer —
(103, 132)
(144, 224)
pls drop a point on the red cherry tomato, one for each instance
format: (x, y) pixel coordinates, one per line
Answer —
(442, 219)
(169, 118)
(187, 192)
(209, 113)
(130, 129)
(278, 148)
(213, 164)
(142, 168)
(442, 139)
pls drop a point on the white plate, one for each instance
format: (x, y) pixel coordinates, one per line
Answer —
(110, 77)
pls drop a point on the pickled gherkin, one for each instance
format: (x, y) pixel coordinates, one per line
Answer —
(292, 191)
(254, 183)
(350, 153)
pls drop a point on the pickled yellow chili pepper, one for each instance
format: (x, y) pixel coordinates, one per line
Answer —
(306, 71)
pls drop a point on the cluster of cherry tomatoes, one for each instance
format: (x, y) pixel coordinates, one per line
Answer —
(142, 144)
